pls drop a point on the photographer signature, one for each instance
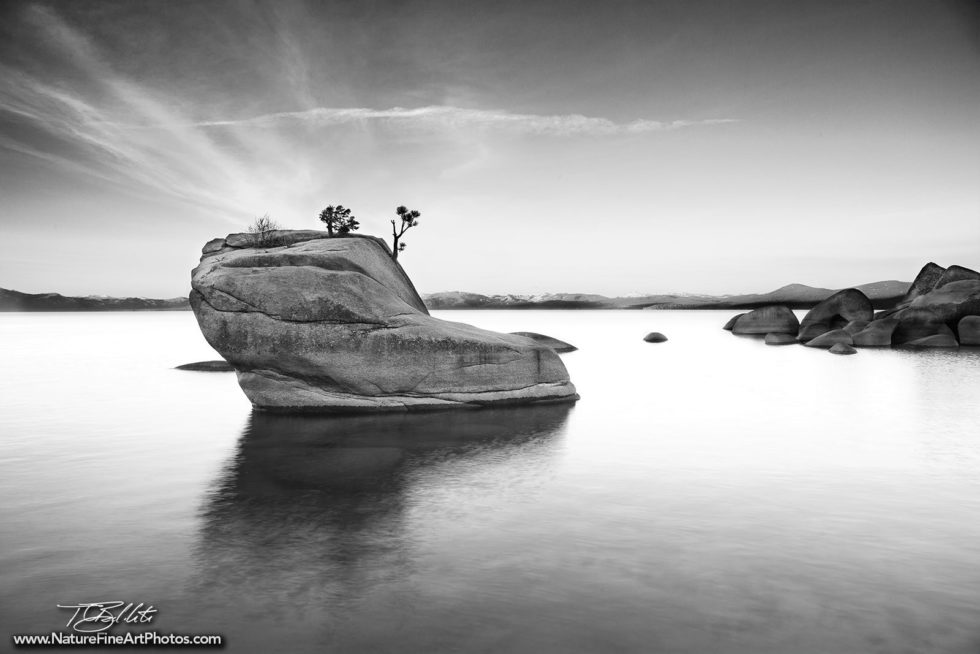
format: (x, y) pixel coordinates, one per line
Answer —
(93, 617)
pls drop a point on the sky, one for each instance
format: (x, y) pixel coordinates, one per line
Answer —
(616, 147)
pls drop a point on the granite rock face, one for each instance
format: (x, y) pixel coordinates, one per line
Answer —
(775, 319)
(836, 312)
(878, 333)
(924, 282)
(953, 301)
(956, 274)
(855, 326)
(333, 324)
(829, 339)
(933, 278)
(915, 323)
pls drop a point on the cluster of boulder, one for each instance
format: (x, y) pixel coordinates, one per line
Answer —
(941, 309)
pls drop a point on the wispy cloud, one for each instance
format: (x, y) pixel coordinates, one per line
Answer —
(80, 131)
(91, 120)
(76, 121)
(443, 117)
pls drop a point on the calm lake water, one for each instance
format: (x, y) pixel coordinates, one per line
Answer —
(708, 494)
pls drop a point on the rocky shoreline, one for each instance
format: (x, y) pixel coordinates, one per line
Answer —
(884, 295)
(941, 309)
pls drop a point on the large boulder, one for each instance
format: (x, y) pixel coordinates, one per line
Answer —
(924, 282)
(915, 323)
(933, 279)
(952, 301)
(955, 274)
(836, 312)
(655, 337)
(334, 324)
(774, 319)
(878, 333)
(969, 330)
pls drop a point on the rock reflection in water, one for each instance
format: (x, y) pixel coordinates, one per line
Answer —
(311, 512)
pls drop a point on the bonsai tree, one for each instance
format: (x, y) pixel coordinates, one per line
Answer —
(409, 219)
(262, 228)
(338, 219)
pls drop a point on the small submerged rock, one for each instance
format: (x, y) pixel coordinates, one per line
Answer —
(655, 337)
(842, 348)
(780, 339)
(547, 341)
(208, 366)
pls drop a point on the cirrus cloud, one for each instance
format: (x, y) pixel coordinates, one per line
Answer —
(443, 116)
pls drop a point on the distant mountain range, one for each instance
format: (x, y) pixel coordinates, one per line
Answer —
(17, 301)
(884, 295)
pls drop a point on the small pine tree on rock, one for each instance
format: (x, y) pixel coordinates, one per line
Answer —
(338, 220)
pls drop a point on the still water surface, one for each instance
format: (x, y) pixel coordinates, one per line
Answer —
(708, 494)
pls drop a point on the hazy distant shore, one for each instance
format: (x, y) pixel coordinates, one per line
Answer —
(884, 295)
(17, 301)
